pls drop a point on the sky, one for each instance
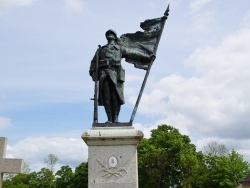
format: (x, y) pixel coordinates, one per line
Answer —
(199, 82)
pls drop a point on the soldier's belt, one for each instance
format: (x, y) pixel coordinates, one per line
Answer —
(107, 63)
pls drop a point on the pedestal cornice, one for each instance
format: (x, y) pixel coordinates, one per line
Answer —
(113, 136)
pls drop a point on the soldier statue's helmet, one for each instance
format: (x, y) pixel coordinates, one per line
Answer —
(110, 31)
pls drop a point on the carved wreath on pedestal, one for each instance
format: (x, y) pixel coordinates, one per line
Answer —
(115, 169)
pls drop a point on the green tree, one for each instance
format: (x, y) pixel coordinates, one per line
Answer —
(18, 181)
(42, 179)
(226, 171)
(167, 159)
(8, 183)
(80, 179)
(51, 161)
(64, 177)
(22, 179)
(215, 148)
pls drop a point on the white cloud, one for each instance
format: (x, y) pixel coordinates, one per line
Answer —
(214, 102)
(203, 20)
(70, 151)
(214, 105)
(240, 145)
(74, 5)
(5, 123)
(146, 129)
(13, 3)
(197, 5)
(246, 20)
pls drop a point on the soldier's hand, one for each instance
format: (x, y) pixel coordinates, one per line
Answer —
(152, 57)
(94, 77)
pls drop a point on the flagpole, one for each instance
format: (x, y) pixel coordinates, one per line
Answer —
(140, 94)
(148, 70)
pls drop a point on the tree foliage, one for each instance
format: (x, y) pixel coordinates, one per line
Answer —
(225, 171)
(215, 148)
(81, 176)
(167, 159)
(51, 161)
(63, 178)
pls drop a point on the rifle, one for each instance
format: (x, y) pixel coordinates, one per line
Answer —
(95, 118)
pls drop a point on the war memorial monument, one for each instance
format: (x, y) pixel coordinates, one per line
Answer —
(112, 145)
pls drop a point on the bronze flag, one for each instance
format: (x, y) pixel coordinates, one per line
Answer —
(145, 42)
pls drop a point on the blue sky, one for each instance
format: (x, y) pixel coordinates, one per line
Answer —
(199, 82)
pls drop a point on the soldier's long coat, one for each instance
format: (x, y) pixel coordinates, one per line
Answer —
(109, 66)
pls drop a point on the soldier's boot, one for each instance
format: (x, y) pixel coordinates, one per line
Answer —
(109, 113)
(116, 112)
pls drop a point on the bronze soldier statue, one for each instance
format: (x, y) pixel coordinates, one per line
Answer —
(111, 75)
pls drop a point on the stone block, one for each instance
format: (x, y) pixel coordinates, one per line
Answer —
(112, 157)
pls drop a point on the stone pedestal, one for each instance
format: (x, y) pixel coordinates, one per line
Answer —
(112, 157)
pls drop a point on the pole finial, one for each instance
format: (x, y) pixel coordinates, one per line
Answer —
(167, 11)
